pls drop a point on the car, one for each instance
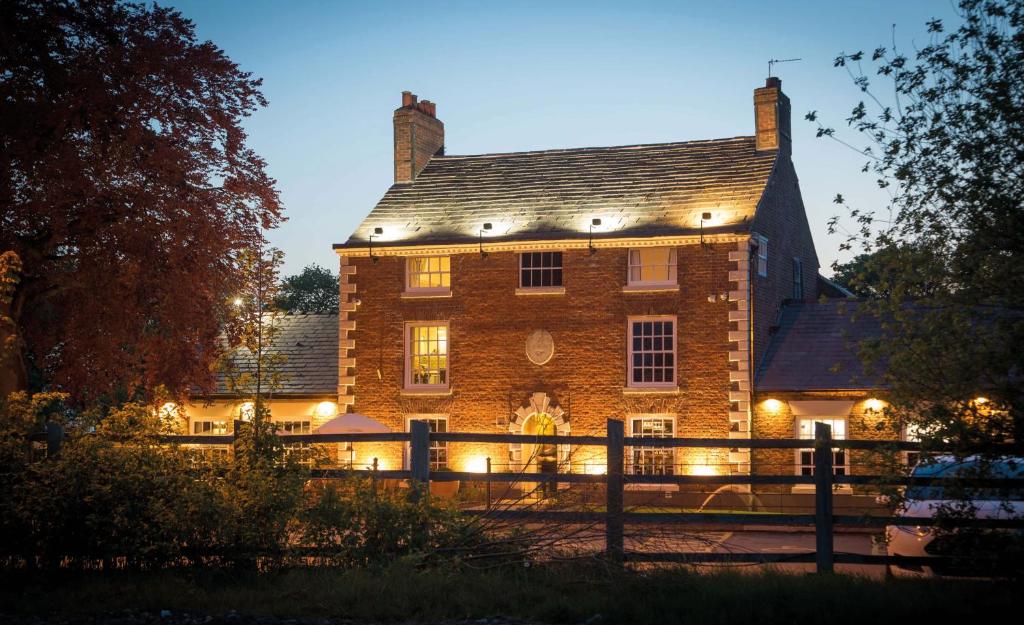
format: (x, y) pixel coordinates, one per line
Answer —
(924, 502)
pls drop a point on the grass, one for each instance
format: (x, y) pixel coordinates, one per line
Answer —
(561, 593)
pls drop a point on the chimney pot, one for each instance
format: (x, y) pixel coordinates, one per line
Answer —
(408, 99)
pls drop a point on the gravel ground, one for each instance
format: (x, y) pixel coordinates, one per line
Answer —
(231, 618)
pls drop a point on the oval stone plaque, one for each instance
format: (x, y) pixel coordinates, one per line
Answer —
(540, 347)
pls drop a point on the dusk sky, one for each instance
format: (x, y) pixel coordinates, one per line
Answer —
(514, 76)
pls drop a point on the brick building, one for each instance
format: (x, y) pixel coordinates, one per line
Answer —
(544, 292)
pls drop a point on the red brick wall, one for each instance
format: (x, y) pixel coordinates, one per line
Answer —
(418, 137)
(489, 372)
(774, 419)
(781, 218)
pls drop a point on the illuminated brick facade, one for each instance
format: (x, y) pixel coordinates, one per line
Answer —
(715, 203)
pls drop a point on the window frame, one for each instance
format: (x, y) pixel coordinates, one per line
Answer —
(285, 427)
(798, 278)
(838, 468)
(553, 288)
(212, 421)
(416, 290)
(670, 452)
(761, 258)
(630, 383)
(408, 375)
(673, 265)
(440, 447)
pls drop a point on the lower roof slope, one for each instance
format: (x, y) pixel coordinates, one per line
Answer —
(309, 344)
(639, 190)
(815, 348)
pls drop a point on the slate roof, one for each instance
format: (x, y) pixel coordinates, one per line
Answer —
(637, 190)
(814, 348)
(310, 344)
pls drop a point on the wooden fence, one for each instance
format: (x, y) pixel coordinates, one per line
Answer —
(615, 516)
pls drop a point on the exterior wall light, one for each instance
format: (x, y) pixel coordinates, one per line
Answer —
(376, 233)
(874, 405)
(247, 411)
(596, 221)
(170, 410)
(703, 217)
(326, 409)
(487, 228)
(772, 405)
(237, 302)
(477, 464)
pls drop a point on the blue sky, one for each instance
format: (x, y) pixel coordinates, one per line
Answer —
(510, 76)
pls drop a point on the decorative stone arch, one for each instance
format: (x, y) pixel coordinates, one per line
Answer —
(539, 403)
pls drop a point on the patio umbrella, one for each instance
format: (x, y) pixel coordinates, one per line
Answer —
(352, 423)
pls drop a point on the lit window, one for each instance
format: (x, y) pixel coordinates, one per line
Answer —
(540, 269)
(212, 428)
(438, 450)
(762, 255)
(208, 455)
(912, 434)
(652, 460)
(652, 266)
(294, 427)
(652, 351)
(798, 279)
(428, 274)
(426, 355)
(302, 453)
(805, 457)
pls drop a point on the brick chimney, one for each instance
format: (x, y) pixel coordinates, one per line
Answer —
(419, 135)
(772, 118)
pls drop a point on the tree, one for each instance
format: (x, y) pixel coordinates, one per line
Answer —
(128, 193)
(870, 275)
(315, 290)
(947, 253)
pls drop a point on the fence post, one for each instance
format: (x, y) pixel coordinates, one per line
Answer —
(488, 506)
(54, 438)
(823, 478)
(615, 455)
(419, 457)
(373, 476)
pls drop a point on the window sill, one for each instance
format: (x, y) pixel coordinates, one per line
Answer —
(671, 488)
(540, 290)
(650, 288)
(650, 390)
(809, 489)
(428, 392)
(425, 294)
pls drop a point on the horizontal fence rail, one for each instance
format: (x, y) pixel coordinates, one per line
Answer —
(616, 479)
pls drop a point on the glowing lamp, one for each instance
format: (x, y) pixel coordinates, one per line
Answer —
(247, 411)
(981, 400)
(237, 302)
(476, 464)
(703, 469)
(874, 405)
(772, 405)
(326, 409)
(169, 410)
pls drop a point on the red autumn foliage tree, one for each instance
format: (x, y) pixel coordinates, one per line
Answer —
(127, 191)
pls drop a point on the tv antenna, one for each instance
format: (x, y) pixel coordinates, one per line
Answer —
(774, 61)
